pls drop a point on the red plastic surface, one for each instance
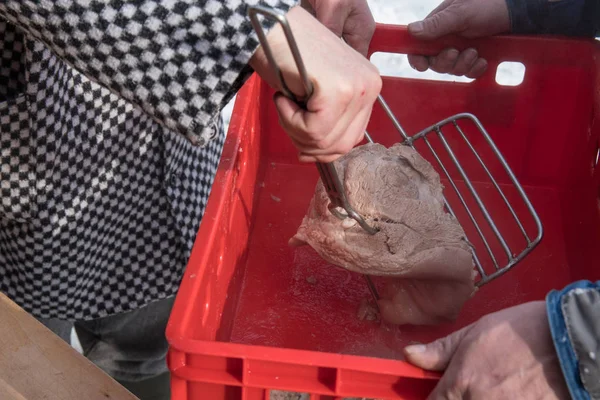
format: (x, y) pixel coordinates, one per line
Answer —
(254, 314)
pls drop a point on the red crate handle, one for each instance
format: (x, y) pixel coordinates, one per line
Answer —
(528, 50)
(397, 39)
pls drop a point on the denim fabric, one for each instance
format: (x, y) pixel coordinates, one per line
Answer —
(129, 347)
(562, 342)
(561, 17)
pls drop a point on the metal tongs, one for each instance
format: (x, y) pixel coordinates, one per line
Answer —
(339, 205)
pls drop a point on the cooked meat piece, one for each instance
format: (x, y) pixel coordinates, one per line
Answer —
(420, 248)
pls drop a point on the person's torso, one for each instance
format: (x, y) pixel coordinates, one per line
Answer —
(99, 204)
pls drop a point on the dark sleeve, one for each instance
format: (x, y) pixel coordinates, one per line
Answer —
(560, 17)
(574, 318)
(177, 60)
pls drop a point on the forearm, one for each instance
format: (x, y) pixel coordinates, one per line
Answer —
(177, 63)
(574, 317)
(563, 17)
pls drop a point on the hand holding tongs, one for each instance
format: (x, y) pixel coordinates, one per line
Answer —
(328, 173)
(329, 176)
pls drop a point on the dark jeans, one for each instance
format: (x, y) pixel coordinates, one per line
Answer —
(131, 347)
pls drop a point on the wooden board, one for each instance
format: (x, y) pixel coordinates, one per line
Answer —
(37, 364)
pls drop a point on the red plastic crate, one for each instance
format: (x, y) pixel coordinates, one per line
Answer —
(247, 320)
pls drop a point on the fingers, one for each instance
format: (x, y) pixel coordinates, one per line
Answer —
(451, 19)
(455, 383)
(359, 27)
(447, 18)
(440, 356)
(316, 129)
(350, 19)
(479, 19)
(326, 135)
(345, 138)
(420, 63)
(478, 69)
(345, 86)
(465, 62)
(436, 355)
(445, 61)
(450, 61)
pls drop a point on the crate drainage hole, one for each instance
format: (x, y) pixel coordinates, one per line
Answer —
(282, 395)
(510, 73)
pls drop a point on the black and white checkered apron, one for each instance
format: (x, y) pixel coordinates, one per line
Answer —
(110, 136)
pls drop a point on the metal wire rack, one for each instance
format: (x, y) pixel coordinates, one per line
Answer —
(442, 131)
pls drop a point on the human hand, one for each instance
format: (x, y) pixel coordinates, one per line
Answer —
(505, 355)
(349, 19)
(467, 18)
(345, 86)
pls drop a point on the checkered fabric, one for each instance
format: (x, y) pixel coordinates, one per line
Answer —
(110, 136)
(12, 73)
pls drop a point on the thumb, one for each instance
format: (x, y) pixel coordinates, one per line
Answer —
(436, 355)
(447, 21)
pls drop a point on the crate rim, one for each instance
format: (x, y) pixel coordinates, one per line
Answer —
(284, 355)
(179, 345)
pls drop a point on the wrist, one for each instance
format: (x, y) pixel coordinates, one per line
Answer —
(300, 21)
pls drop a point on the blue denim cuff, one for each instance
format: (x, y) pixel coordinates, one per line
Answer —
(562, 343)
(564, 17)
